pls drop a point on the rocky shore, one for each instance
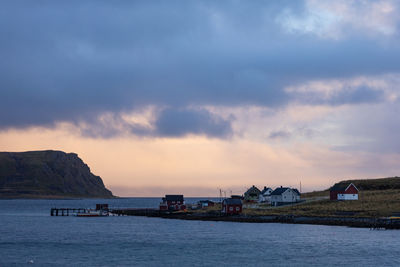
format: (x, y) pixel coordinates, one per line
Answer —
(373, 223)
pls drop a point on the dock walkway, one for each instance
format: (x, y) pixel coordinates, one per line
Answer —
(111, 211)
(66, 211)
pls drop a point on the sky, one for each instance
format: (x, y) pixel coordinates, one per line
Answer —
(167, 97)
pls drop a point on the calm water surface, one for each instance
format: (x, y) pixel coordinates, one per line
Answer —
(29, 233)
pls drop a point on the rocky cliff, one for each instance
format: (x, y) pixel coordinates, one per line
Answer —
(49, 174)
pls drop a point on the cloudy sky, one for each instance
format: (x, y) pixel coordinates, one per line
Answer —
(192, 96)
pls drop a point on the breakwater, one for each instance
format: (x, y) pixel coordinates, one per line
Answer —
(364, 222)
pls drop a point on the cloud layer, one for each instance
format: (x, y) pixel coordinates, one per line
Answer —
(79, 61)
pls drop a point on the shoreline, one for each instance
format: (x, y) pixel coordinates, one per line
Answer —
(359, 222)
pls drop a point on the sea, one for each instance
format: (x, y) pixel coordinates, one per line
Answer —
(29, 236)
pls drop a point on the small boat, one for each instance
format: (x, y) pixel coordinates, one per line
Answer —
(93, 213)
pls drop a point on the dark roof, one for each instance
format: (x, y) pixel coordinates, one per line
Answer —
(265, 189)
(173, 197)
(296, 191)
(279, 190)
(340, 187)
(253, 189)
(232, 201)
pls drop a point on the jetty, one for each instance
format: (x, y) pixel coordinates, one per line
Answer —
(106, 211)
(67, 211)
(101, 210)
(361, 222)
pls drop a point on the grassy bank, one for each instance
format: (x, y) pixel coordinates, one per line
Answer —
(374, 203)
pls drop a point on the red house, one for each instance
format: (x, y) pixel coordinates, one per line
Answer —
(342, 191)
(232, 206)
(173, 203)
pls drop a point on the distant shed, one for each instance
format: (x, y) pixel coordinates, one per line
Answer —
(232, 206)
(342, 191)
(173, 203)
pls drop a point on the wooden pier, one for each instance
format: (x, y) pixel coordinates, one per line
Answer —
(111, 211)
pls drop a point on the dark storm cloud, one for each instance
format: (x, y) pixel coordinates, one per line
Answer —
(71, 61)
(169, 122)
(362, 94)
(347, 95)
(177, 123)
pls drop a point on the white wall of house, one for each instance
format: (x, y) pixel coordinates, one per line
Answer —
(276, 198)
(347, 196)
(288, 196)
(264, 198)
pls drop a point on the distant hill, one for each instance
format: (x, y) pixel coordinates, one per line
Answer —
(375, 184)
(389, 183)
(378, 197)
(48, 174)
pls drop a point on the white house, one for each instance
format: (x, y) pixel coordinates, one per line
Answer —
(284, 195)
(265, 195)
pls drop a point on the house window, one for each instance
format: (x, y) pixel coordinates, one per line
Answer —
(237, 208)
(231, 208)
